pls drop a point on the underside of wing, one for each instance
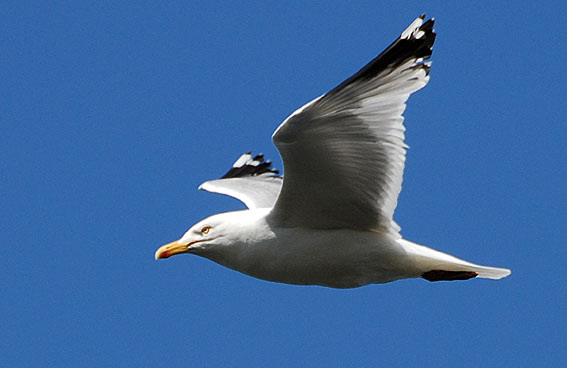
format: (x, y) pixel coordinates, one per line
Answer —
(344, 152)
(251, 180)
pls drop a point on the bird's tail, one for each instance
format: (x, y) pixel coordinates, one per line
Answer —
(437, 266)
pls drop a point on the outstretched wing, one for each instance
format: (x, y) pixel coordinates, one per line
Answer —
(344, 152)
(251, 180)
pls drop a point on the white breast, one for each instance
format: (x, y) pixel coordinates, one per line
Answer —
(335, 258)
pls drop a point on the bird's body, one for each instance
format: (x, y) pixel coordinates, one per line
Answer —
(338, 258)
(330, 221)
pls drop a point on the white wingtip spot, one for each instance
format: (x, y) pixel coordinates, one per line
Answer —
(242, 160)
(413, 27)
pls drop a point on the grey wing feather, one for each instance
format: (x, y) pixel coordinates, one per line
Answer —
(251, 180)
(254, 192)
(344, 152)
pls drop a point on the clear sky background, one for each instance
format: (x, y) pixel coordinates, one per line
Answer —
(112, 113)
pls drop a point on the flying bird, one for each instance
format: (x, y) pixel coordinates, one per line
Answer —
(329, 221)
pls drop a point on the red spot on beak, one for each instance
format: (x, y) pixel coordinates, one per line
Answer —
(164, 254)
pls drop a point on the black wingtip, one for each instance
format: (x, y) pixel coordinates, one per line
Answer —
(417, 44)
(246, 165)
(428, 26)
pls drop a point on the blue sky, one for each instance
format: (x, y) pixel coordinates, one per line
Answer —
(112, 114)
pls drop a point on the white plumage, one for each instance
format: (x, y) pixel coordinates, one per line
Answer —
(330, 221)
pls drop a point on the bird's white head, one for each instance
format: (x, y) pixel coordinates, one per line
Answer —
(205, 234)
(212, 235)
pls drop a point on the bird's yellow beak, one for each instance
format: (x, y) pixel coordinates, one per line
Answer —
(171, 249)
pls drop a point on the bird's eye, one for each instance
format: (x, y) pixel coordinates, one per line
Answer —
(205, 229)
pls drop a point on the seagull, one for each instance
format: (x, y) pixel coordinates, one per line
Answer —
(329, 221)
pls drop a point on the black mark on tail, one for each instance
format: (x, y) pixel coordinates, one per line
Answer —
(441, 275)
